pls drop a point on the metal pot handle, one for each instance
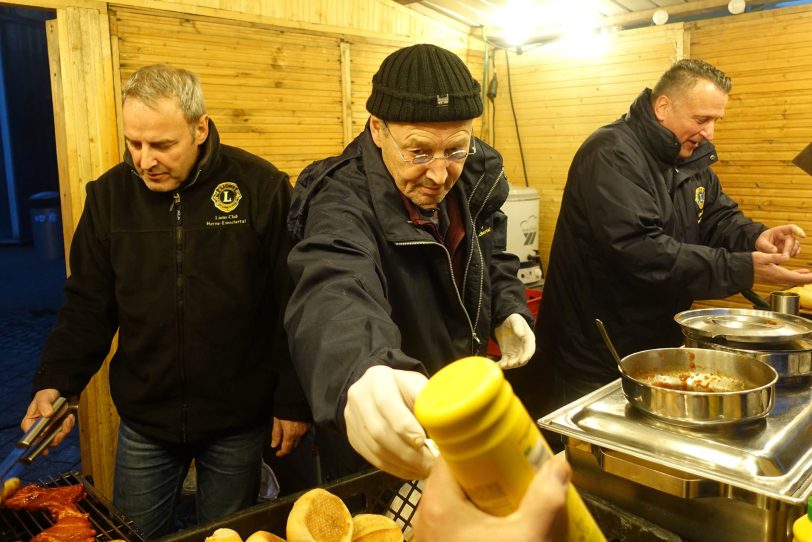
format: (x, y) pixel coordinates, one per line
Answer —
(757, 301)
(658, 477)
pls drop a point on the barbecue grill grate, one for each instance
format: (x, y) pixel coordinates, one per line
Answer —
(110, 524)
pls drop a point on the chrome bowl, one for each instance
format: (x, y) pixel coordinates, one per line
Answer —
(697, 386)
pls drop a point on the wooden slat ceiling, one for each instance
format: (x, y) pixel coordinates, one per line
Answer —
(547, 17)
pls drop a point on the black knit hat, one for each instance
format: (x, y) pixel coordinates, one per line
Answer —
(424, 83)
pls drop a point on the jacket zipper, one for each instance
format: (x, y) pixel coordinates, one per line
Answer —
(475, 241)
(474, 247)
(475, 339)
(176, 207)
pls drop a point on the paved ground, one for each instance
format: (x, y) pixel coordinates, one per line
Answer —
(30, 293)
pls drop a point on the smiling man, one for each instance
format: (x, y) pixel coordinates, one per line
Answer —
(645, 229)
(182, 247)
(400, 266)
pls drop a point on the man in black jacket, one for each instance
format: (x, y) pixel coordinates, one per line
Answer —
(645, 229)
(182, 248)
(400, 264)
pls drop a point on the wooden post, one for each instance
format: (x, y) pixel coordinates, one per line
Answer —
(346, 92)
(87, 145)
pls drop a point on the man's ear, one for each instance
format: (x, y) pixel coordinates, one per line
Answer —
(377, 128)
(202, 129)
(662, 105)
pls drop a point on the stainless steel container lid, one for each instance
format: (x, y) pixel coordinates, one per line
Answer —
(744, 325)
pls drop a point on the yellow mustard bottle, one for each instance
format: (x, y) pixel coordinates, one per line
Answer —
(802, 528)
(490, 442)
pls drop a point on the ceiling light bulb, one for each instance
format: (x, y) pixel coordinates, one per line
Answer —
(736, 6)
(661, 16)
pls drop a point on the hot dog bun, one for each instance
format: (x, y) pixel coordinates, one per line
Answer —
(375, 528)
(319, 516)
(805, 293)
(224, 535)
(264, 536)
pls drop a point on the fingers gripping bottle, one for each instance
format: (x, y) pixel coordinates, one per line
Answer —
(802, 528)
(490, 442)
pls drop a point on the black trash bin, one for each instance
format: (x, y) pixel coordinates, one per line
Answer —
(46, 225)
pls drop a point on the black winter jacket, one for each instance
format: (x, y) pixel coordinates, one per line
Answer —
(197, 293)
(641, 234)
(372, 288)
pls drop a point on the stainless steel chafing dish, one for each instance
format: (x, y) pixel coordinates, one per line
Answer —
(745, 482)
(777, 339)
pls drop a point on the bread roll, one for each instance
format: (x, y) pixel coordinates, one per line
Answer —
(319, 516)
(224, 535)
(375, 528)
(264, 536)
(805, 293)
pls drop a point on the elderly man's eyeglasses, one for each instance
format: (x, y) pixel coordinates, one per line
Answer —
(422, 159)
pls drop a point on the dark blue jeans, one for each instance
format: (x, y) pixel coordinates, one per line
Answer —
(149, 477)
(569, 389)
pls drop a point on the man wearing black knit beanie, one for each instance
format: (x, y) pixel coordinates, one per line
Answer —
(400, 262)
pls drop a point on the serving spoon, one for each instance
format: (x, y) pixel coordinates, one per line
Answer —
(608, 342)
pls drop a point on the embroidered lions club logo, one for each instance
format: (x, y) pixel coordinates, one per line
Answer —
(226, 196)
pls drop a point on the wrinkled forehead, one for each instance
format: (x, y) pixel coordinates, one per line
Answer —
(432, 131)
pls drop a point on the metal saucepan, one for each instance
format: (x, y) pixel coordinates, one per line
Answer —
(697, 386)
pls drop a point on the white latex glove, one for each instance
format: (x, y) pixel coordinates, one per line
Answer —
(380, 423)
(516, 341)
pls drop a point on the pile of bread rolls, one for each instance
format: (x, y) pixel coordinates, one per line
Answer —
(320, 516)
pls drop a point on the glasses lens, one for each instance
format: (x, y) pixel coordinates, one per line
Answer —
(422, 159)
(456, 156)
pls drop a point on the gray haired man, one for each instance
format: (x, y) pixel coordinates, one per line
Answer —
(182, 248)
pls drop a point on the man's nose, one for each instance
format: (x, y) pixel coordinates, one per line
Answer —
(147, 158)
(438, 171)
(707, 131)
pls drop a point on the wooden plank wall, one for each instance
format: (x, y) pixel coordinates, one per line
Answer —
(277, 93)
(273, 93)
(768, 119)
(559, 100)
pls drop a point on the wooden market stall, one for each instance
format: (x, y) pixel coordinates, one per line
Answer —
(288, 80)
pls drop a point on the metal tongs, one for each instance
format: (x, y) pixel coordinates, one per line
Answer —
(36, 439)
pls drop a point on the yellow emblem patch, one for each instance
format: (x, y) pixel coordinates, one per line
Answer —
(699, 198)
(226, 196)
